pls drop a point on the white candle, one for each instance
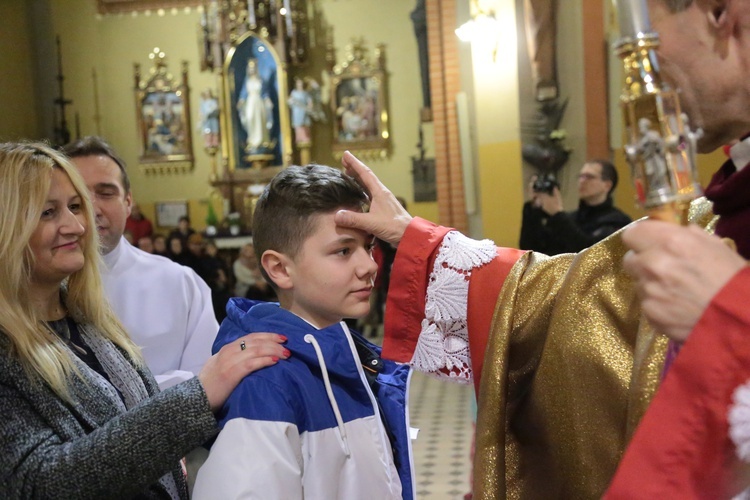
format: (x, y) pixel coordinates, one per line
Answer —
(633, 17)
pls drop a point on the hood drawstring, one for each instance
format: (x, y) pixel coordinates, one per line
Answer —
(342, 431)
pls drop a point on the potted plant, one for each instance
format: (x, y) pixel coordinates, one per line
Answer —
(211, 220)
(233, 221)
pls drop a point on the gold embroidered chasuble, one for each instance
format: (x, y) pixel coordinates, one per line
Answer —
(569, 371)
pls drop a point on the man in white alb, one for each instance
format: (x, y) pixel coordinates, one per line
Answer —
(165, 307)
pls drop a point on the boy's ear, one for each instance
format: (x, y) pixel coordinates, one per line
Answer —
(277, 266)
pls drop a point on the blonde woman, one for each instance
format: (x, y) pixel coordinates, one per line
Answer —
(81, 414)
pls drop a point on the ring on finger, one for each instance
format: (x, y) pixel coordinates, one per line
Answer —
(243, 346)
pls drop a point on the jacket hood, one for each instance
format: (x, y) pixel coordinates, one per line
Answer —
(247, 316)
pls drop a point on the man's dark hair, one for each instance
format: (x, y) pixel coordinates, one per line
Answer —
(609, 173)
(95, 146)
(284, 214)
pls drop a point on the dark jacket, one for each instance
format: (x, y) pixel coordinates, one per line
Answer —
(567, 232)
(50, 449)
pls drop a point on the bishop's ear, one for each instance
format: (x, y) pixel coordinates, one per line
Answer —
(277, 267)
(717, 11)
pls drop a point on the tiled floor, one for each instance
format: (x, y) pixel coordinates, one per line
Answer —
(442, 413)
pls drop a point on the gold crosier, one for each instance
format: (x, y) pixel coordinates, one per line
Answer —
(659, 145)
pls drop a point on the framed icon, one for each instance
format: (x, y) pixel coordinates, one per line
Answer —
(168, 213)
(359, 100)
(163, 113)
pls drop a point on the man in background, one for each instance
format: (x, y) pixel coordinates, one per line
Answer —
(138, 224)
(165, 307)
(146, 243)
(546, 228)
(183, 231)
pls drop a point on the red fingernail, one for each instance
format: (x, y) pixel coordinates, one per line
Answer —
(283, 338)
(287, 353)
(274, 358)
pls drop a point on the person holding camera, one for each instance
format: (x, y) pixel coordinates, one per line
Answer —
(548, 229)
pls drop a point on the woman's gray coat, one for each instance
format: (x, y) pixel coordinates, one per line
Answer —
(50, 449)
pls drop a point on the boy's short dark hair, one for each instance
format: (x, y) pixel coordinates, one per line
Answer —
(283, 213)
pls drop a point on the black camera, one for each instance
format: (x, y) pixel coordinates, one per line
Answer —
(545, 184)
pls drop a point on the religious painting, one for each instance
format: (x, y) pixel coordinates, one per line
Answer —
(168, 213)
(359, 104)
(423, 175)
(163, 112)
(259, 134)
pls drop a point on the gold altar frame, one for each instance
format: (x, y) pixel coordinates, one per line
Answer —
(251, 45)
(359, 104)
(163, 116)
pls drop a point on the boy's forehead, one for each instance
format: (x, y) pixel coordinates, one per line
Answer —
(326, 224)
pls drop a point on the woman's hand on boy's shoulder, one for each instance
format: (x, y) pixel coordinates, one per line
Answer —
(234, 361)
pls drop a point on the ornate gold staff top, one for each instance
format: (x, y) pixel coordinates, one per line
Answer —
(659, 144)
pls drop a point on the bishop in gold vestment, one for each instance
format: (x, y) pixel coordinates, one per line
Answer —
(567, 364)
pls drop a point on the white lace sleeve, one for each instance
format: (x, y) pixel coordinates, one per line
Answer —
(739, 428)
(443, 346)
(739, 421)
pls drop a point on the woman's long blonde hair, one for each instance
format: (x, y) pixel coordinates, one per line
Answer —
(25, 178)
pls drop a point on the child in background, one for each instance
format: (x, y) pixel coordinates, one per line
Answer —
(331, 423)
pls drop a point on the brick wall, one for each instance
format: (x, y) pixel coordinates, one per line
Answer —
(445, 84)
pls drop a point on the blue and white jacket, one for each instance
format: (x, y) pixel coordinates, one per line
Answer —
(310, 427)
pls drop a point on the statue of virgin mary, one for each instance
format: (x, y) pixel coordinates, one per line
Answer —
(255, 109)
